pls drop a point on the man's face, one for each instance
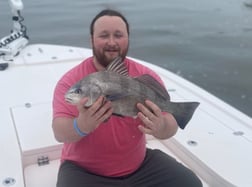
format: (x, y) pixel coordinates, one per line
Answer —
(110, 39)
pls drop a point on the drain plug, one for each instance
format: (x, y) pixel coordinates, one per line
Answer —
(192, 143)
(9, 181)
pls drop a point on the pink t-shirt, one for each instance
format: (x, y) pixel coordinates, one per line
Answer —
(116, 147)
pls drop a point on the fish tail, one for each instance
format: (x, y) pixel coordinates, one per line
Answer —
(182, 111)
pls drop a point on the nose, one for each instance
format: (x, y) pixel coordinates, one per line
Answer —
(111, 40)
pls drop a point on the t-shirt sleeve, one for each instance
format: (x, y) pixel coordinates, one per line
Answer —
(61, 108)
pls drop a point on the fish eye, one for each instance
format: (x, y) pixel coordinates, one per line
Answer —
(78, 91)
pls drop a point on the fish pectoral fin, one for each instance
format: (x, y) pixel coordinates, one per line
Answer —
(114, 97)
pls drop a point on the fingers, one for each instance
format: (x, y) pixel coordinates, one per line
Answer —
(97, 105)
(100, 110)
(151, 116)
(151, 110)
(91, 117)
(154, 108)
(82, 103)
(147, 122)
(105, 116)
(104, 112)
(145, 130)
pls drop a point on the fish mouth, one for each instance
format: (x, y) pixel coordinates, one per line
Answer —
(70, 100)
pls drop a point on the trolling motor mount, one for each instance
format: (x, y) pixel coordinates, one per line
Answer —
(12, 44)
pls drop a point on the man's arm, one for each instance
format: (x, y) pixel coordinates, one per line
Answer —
(64, 131)
(87, 121)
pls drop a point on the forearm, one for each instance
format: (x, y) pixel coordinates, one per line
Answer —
(64, 130)
(87, 121)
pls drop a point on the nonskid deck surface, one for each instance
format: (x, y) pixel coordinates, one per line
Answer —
(217, 137)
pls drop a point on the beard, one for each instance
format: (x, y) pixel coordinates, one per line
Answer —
(105, 59)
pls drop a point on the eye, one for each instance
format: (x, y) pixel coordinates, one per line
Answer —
(118, 35)
(78, 91)
(104, 35)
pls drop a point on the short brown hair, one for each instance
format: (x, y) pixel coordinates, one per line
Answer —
(108, 12)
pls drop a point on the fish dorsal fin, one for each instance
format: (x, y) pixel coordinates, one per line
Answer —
(154, 85)
(118, 66)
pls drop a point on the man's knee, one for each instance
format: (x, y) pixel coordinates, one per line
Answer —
(192, 180)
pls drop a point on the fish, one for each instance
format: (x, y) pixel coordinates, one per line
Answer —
(124, 92)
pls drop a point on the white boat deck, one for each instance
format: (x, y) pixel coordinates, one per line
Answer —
(216, 144)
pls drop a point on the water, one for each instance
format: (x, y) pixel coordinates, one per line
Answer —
(207, 42)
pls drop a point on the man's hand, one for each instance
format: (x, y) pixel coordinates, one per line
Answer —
(90, 118)
(155, 122)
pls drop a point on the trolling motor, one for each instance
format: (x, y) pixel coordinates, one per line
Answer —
(11, 45)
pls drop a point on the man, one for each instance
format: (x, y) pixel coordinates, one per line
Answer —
(101, 149)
